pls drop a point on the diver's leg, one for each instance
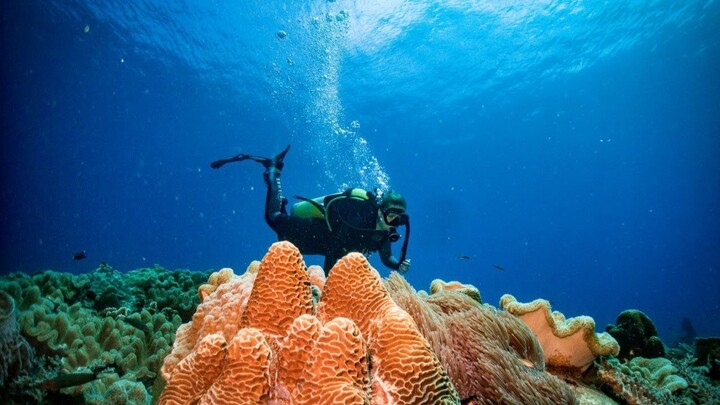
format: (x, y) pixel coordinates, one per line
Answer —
(274, 201)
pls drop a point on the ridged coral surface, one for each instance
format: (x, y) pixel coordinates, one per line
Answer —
(197, 372)
(244, 378)
(338, 373)
(281, 291)
(405, 368)
(221, 314)
(308, 359)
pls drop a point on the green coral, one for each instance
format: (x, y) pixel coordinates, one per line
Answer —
(123, 320)
(126, 392)
(702, 389)
(176, 290)
(113, 390)
(637, 335)
(83, 338)
(660, 372)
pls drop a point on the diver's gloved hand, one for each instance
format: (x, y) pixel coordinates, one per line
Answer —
(404, 266)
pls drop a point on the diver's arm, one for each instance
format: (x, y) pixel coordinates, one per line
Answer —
(391, 261)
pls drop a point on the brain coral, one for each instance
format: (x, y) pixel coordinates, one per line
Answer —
(491, 356)
(355, 290)
(286, 354)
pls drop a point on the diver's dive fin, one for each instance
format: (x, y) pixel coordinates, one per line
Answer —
(239, 158)
(222, 162)
(266, 162)
(278, 161)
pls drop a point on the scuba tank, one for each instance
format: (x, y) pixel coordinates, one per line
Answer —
(308, 208)
(318, 207)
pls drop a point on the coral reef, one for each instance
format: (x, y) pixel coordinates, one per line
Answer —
(284, 333)
(257, 337)
(105, 318)
(317, 281)
(216, 279)
(640, 381)
(404, 367)
(471, 291)
(702, 387)
(660, 372)
(219, 314)
(491, 356)
(707, 353)
(567, 343)
(637, 336)
(16, 355)
(111, 389)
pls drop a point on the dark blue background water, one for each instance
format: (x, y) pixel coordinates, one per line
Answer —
(574, 144)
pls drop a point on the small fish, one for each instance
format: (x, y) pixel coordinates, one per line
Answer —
(61, 381)
(463, 257)
(79, 255)
(498, 267)
(136, 323)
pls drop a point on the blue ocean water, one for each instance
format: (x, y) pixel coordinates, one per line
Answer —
(575, 145)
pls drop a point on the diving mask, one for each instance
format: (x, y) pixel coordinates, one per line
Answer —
(393, 216)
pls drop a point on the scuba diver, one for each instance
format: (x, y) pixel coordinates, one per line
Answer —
(334, 225)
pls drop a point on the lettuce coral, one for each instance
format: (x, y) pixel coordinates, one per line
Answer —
(640, 381)
(567, 343)
(66, 316)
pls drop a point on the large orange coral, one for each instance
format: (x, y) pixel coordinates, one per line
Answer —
(339, 372)
(280, 352)
(281, 291)
(196, 372)
(245, 376)
(219, 313)
(405, 368)
(491, 356)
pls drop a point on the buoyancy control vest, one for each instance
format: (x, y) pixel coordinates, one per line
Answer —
(319, 208)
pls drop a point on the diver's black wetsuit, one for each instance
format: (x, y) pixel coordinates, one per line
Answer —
(351, 227)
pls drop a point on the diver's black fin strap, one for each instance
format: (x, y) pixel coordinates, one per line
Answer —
(404, 248)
